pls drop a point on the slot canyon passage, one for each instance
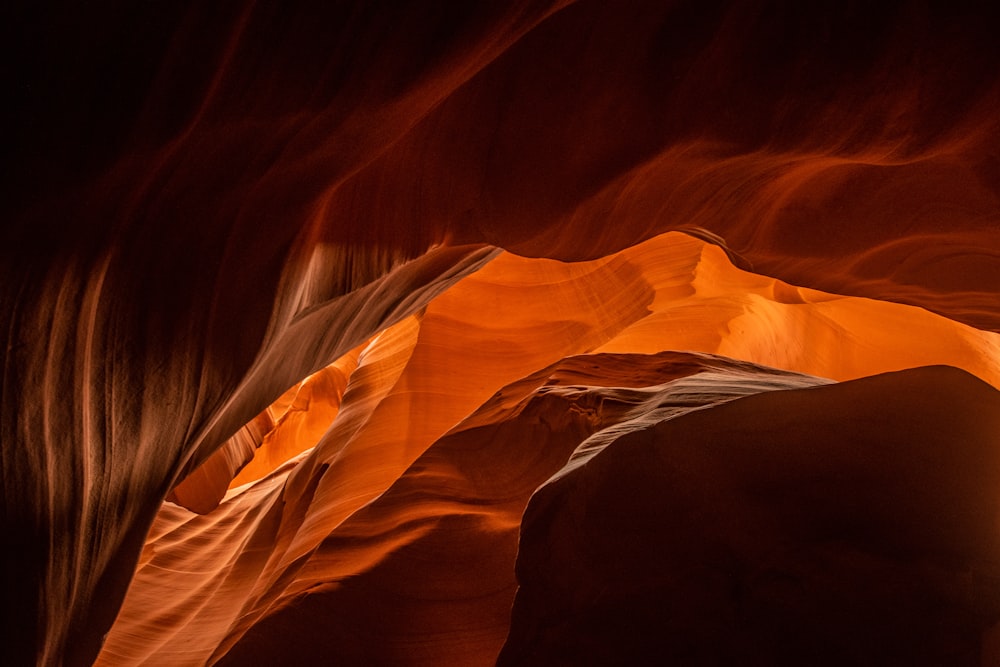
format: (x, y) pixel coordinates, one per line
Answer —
(523, 333)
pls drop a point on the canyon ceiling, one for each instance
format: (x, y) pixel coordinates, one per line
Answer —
(529, 333)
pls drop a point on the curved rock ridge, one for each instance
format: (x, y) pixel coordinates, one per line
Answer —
(138, 406)
(412, 562)
(293, 423)
(205, 205)
(851, 151)
(375, 500)
(671, 292)
(852, 523)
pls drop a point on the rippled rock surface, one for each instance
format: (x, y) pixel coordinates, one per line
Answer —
(257, 264)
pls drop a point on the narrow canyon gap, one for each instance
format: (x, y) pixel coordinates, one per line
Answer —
(306, 306)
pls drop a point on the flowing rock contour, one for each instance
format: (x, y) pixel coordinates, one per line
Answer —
(206, 205)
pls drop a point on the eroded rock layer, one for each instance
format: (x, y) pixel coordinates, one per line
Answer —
(672, 292)
(393, 540)
(411, 563)
(206, 207)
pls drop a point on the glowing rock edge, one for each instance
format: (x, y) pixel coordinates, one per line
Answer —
(542, 333)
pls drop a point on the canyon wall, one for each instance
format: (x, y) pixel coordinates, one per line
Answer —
(302, 305)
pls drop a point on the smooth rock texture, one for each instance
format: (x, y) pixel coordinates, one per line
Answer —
(672, 292)
(408, 507)
(854, 523)
(412, 568)
(205, 207)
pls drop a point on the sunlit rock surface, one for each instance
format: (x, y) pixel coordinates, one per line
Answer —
(411, 563)
(206, 207)
(672, 292)
(400, 528)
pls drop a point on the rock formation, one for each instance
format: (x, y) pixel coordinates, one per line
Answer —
(306, 308)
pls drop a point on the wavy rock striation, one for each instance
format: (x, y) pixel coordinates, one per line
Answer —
(393, 538)
(411, 563)
(208, 206)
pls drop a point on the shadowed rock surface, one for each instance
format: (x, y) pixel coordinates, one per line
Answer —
(853, 523)
(205, 207)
